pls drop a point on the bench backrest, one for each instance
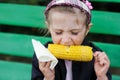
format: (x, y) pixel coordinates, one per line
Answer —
(19, 44)
(104, 22)
(107, 23)
(22, 15)
(32, 16)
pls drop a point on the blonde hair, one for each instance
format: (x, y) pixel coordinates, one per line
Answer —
(68, 9)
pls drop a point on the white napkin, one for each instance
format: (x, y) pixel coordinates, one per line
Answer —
(43, 54)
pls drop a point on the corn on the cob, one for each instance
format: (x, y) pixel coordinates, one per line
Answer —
(76, 53)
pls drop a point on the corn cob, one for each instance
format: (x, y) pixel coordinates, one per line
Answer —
(76, 53)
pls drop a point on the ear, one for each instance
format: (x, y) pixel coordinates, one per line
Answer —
(46, 23)
(47, 26)
(88, 28)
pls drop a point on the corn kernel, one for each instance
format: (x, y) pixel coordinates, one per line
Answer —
(75, 53)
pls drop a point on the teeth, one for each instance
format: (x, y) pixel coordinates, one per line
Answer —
(67, 49)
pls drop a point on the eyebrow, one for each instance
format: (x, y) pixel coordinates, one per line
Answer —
(76, 29)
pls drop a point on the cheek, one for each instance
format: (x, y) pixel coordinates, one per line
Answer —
(78, 39)
(56, 39)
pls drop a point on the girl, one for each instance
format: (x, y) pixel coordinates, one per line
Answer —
(69, 22)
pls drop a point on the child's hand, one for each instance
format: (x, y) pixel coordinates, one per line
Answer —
(47, 72)
(101, 65)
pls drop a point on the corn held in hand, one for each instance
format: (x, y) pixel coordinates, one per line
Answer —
(75, 53)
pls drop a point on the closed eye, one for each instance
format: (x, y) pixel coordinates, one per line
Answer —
(58, 33)
(74, 33)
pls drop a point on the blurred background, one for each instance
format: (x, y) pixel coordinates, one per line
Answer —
(111, 7)
(36, 31)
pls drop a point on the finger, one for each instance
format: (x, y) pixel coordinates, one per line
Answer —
(96, 56)
(105, 65)
(48, 64)
(101, 57)
(103, 62)
(106, 57)
(96, 53)
(42, 64)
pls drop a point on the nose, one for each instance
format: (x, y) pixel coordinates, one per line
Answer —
(66, 40)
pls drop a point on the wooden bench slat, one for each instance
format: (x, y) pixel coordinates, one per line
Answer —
(22, 15)
(105, 22)
(14, 43)
(33, 16)
(19, 44)
(115, 77)
(112, 51)
(14, 71)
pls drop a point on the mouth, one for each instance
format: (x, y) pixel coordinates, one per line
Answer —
(67, 49)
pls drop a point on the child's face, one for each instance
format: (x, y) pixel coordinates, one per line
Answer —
(67, 28)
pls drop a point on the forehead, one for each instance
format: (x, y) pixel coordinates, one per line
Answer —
(66, 10)
(69, 14)
(65, 21)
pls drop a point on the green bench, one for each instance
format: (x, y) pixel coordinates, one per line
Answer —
(32, 16)
(14, 71)
(19, 45)
(107, 23)
(108, 26)
(22, 15)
